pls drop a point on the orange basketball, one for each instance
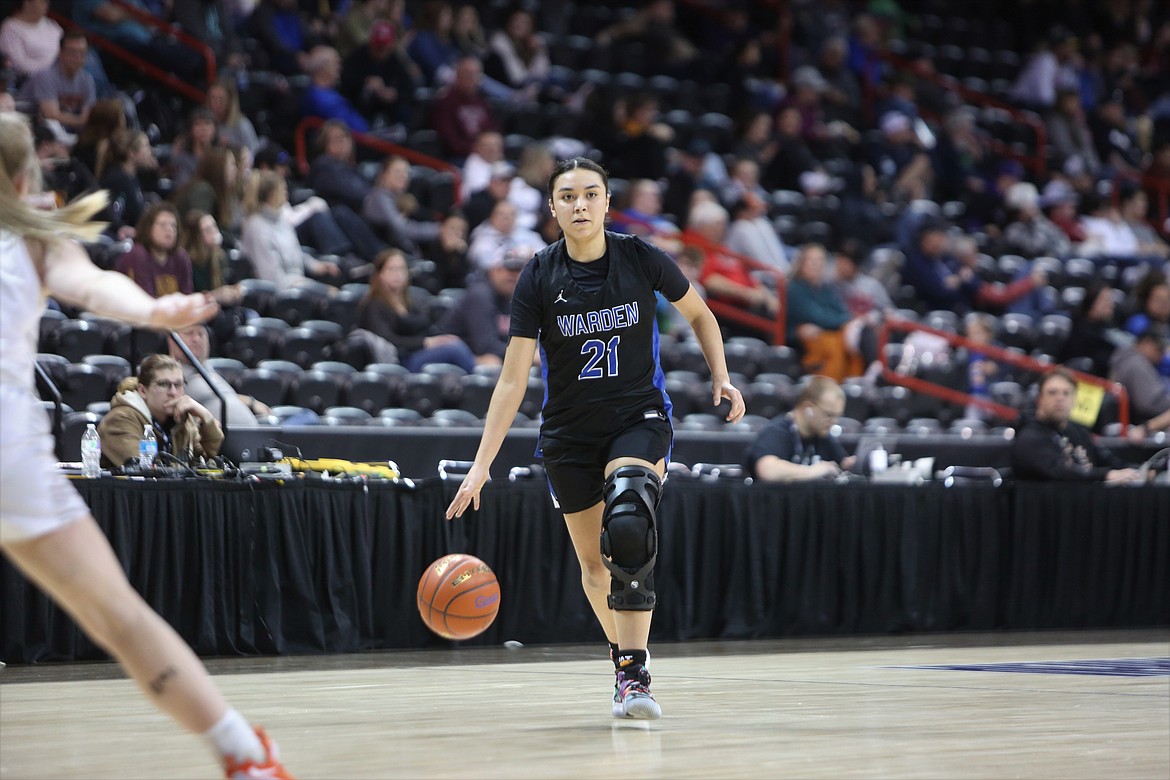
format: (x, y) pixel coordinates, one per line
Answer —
(458, 596)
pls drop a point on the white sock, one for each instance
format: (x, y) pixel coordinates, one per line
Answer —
(234, 737)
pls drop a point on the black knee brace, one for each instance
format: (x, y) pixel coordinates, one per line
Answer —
(629, 537)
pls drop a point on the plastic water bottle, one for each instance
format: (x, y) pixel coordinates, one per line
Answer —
(91, 453)
(879, 460)
(147, 448)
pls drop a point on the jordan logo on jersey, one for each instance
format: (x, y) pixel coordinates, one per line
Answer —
(561, 297)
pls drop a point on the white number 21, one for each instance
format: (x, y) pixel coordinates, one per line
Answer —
(599, 350)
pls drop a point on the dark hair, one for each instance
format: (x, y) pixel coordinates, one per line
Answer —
(1093, 291)
(142, 233)
(564, 166)
(1145, 287)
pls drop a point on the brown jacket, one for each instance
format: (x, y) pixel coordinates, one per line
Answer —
(122, 427)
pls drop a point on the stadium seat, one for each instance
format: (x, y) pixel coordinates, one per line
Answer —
(258, 295)
(136, 344)
(229, 368)
(115, 368)
(303, 346)
(74, 339)
(453, 418)
(265, 386)
(85, 384)
(345, 415)
(249, 345)
(50, 320)
(370, 391)
(399, 417)
(316, 390)
(476, 393)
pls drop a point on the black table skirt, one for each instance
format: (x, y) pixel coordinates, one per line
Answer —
(315, 567)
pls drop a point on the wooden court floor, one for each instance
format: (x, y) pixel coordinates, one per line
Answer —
(1030, 705)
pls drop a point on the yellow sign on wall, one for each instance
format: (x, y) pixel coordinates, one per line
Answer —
(1088, 404)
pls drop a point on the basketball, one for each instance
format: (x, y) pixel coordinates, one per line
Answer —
(458, 596)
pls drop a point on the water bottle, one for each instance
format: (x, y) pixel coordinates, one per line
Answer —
(879, 460)
(91, 453)
(147, 448)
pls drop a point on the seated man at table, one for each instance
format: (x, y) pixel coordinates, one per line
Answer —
(157, 398)
(241, 409)
(1052, 447)
(799, 446)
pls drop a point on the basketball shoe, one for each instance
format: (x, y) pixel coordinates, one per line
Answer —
(632, 697)
(268, 769)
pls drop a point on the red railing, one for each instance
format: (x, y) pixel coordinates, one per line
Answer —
(300, 146)
(148, 68)
(775, 328)
(950, 395)
(1037, 160)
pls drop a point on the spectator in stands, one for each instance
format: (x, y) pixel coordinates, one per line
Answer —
(519, 56)
(486, 151)
(1030, 233)
(1020, 295)
(377, 77)
(1136, 368)
(685, 174)
(961, 158)
(863, 294)
(1068, 132)
(653, 26)
(527, 190)
(1094, 334)
(30, 39)
(283, 35)
(641, 140)
(270, 240)
(65, 177)
(1134, 206)
(829, 337)
(232, 127)
(800, 446)
(482, 316)
(214, 189)
(357, 26)
(156, 262)
(1106, 233)
(129, 152)
(322, 98)
(64, 92)
(1059, 201)
(794, 166)
(430, 44)
(157, 398)
(1152, 304)
(751, 232)
(114, 22)
(934, 274)
(903, 167)
(203, 242)
(842, 97)
(1114, 142)
(980, 329)
(242, 410)
(806, 90)
(467, 34)
(1051, 447)
(461, 113)
(449, 251)
(642, 216)
(398, 312)
(756, 140)
(480, 205)
(105, 119)
(186, 151)
(724, 276)
(210, 22)
(1049, 70)
(743, 175)
(498, 234)
(390, 207)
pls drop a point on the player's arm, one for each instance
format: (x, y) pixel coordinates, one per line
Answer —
(694, 309)
(70, 276)
(773, 468)
(506, 398)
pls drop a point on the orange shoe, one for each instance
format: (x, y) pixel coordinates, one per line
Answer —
(269, 769)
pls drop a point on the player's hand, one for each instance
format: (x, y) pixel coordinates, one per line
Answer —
(731, 393)
(825, 468)
(177, 311)
(1124, 476)
(468, 493)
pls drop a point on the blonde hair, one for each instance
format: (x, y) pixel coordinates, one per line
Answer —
(17, 157)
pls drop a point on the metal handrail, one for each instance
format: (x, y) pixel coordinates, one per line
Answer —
(999, 354)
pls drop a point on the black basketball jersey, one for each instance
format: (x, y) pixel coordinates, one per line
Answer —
(599, 351)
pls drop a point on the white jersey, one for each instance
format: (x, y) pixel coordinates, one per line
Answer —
(35, 497)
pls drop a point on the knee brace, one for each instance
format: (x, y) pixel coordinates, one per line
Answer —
(629, 536)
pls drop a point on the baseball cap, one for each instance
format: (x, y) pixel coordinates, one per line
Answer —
(382, 34)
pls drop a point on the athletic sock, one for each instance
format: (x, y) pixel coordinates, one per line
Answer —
(614, 652)
(233, 736)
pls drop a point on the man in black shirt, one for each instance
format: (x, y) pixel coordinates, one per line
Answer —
(1051, 447)
(798, 446)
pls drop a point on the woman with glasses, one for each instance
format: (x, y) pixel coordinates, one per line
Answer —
(157, 398)
(799, 446)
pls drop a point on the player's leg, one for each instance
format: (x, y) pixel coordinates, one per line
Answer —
(629, 547)
(77, 568)
(584, 531)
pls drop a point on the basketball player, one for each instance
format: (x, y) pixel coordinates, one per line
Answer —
(46, 530)
(605, 435)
